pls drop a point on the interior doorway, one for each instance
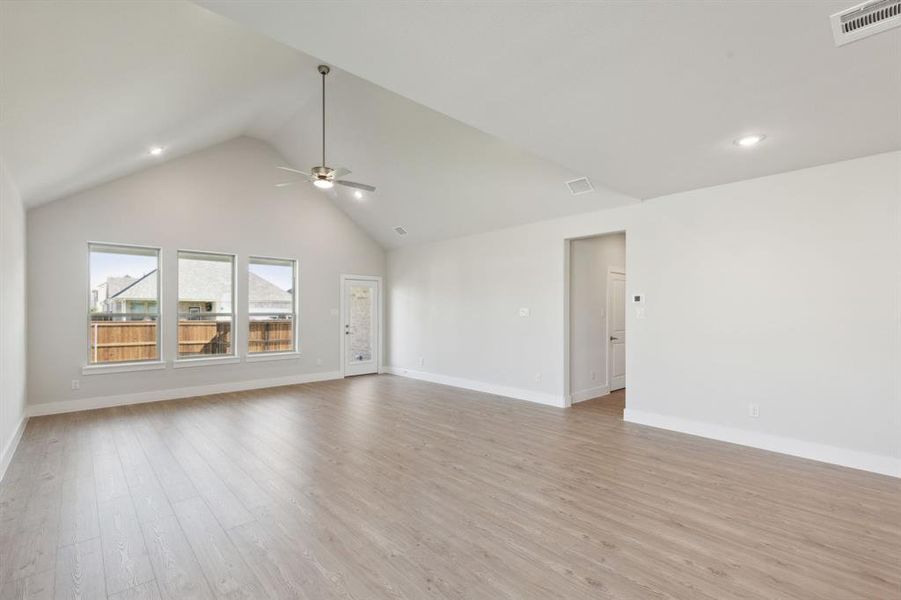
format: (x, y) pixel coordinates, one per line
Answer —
(361, 324)
(596, 328)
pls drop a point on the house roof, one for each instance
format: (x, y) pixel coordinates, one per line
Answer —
(204, 281)
(144, 288)
(114, 285)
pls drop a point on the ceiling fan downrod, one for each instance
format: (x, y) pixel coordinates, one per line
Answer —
(323, 70)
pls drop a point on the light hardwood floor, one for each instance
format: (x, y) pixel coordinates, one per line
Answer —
(383, 487)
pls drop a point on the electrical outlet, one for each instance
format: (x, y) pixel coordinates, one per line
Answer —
(524, 312)
(753, 410)
(421, 361)
(537, 377)
(76, 384)
(318, 362)
(594, 375)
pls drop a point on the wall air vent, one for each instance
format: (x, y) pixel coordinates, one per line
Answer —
(400, 230)
(581, 185)
(865, 20)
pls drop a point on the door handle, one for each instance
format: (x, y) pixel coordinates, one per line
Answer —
(614, 339)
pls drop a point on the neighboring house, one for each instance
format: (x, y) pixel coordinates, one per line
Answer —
(140, 296)
(266, 297)
(101, 294)
(202, 288)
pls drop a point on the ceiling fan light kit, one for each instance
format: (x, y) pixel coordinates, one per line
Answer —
(322, 176)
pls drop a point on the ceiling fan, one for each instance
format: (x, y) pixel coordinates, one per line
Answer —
(322, 176)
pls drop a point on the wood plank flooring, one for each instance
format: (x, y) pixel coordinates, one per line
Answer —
(384, 487)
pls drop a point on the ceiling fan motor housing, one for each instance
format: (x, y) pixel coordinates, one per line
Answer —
(322, 172)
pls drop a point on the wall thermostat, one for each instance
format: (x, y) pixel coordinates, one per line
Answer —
(638, 298)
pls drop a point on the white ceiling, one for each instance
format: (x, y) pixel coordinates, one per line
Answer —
(88, 87)
(646, 97)
(435, 177)
(643, 97)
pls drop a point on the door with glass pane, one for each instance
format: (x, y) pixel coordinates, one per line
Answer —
(361, 326)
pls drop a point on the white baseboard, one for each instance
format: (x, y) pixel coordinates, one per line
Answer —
(64, 406)
(480, 386)
(7, 454)
(875, 463)
(595, 392)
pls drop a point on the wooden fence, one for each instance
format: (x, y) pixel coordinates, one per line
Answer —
(119, 341)
(271, 336)
(116, 341)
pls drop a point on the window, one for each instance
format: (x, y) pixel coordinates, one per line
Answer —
(123, 304)
(206, 304)
(272, 306)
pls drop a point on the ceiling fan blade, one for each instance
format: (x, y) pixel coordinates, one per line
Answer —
(305, 174)
(286, 183)
(354, 184)
(340, 172)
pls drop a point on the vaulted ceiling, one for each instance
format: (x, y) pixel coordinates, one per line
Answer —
(466, 116)
(646, 97)
(87, 87)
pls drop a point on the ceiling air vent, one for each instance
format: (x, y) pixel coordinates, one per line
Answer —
(400, 230)
(865, 20)
(581, 185)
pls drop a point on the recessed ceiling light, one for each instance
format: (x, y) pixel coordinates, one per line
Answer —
(358, 195)
(323, 183)
(156, 151)
(750, 140)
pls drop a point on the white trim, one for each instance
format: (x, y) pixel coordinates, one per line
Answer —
(381, 314)
(481, 386)
(567, 322)
(875, 463)
(568, 395)
(235, 330)
(123, 367)
(588, 394)
(159, 302)
(211, 361)
(264, 356)
(295, 300)
(66, 406)
(7, 456)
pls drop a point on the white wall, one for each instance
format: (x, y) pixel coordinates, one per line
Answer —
(219, 199)
(12, 317)
(782, 290)
(590, 259)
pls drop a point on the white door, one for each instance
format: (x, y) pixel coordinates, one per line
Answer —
(616, 330)
(361, 326)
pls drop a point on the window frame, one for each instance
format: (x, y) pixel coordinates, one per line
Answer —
(295, 314)
(90, 368)
(231, 357)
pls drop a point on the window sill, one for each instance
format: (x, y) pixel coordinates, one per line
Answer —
(125, 367)
(183, 363)
(263, 356)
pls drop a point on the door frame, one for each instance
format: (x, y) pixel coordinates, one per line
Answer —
(567, 316)
(380, 311)
(610, 272)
